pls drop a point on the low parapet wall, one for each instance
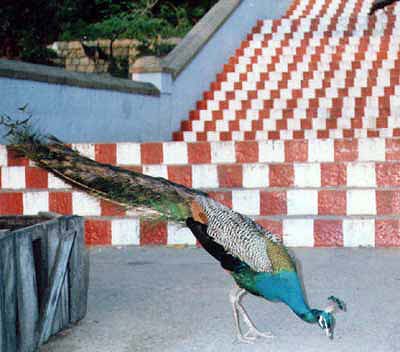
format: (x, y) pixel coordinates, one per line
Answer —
(82, 107)
(329, 193)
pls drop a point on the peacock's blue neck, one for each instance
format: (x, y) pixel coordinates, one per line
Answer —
(285, 287)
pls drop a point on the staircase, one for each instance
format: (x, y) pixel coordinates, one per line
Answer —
(299, 131)
(325, 70)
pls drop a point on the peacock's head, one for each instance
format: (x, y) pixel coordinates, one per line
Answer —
(326, 320)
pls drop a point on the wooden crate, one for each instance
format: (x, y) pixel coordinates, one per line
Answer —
(44, 271)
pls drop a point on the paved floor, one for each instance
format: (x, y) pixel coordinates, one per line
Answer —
(163, 299)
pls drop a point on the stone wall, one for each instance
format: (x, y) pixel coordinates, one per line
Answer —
(94, 56)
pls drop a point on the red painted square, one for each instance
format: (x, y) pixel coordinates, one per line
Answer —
(348, 133)
(296, 151)
(111, 209)
(387, 233)
(201, 136)
(322, 134)
(225, 136)
(177, 136)
(346, 150)
(372, 133)
(393, 149)
(333, 174)
(230, 176)
(331, 202)
(281, 175)
(273, 203)
(199, 153)
(106, 153)
(60, 202)
(387, 174)
(328, 233)
(36, 177)
(224, 198)
(152, 153)
(298, 134)
(97, 232)
(246, 152)
(274, 135)
(11, 204)
(181, 174)
(153, 233)
(15, 159)
(388, 202)
(273, 226)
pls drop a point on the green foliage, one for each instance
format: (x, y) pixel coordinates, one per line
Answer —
(28, 26)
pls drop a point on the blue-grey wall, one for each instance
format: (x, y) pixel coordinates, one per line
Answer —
(77, 114)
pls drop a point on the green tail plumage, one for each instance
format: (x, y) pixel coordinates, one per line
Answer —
(126, 188)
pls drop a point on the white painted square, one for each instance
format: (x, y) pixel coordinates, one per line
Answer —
(85, 205)
(3, 155)
(307, 175)
(246, 201)
(321, 150)
(371, 149)
(13, 177)
(35, 202)
(178, 235)
(271, 151)
(125, 232)
(255, 175)
(189, 136)
(298, 232)
(361, 202)
(55, 182)
(205, 176)
(223, 152)
(156, 170)
(302, 202)
(85, 149)
(175, 153)
(359, 232)
(213, 136)
(128, 154)
(361, 175)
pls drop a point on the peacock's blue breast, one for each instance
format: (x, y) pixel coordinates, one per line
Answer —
(283, 286)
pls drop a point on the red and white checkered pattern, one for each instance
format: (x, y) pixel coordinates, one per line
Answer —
(325, 70)
(312, 193)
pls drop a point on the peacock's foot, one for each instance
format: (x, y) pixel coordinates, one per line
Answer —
(253, 333)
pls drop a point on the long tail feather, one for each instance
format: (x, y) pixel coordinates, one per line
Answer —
(124, 187)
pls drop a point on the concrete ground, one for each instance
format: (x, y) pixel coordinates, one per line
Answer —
(164, 299)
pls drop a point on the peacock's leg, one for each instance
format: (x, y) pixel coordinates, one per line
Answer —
(253, 332)
(233, 297)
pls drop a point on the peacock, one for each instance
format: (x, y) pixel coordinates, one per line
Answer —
(256, 259)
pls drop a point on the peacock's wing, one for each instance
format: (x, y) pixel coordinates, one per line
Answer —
(243, 238)
(227, 260)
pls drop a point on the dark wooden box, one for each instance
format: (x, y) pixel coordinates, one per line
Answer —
(44, 274)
